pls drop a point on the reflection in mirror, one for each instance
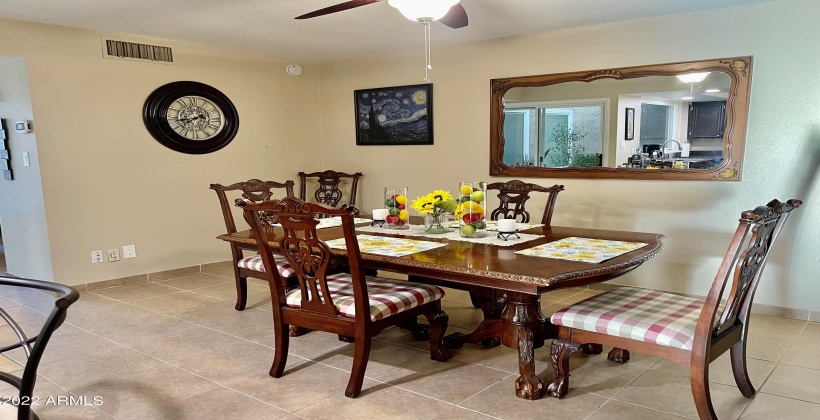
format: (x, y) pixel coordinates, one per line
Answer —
(672, 121)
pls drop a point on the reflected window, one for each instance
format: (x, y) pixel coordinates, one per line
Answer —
(518, 150)
(657, 123)
(554, 134)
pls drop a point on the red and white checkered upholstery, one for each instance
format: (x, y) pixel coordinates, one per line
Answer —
(639, 314)
(387, 296)
(255, 263)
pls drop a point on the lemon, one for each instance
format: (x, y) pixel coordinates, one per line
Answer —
(466, 190)
(472, 207)
(401, 199)
(404, 215)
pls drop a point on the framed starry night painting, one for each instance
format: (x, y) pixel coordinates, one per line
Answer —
(395, 115)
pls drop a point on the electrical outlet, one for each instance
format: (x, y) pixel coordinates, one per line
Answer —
(129, 251)
(113, 255)
(96, 257)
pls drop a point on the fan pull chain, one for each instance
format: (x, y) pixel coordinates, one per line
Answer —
(428, 66)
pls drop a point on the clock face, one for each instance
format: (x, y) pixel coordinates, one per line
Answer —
(190, 117)
(195, 118)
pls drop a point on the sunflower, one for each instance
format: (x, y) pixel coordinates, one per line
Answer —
(424, 204)
(427, 203)
(441, 195)
(459, 213)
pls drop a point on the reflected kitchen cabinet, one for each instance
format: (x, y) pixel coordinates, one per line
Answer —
(707, 119)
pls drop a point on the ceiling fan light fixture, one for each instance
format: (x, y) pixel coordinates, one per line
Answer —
(693, 77)
(419, 10)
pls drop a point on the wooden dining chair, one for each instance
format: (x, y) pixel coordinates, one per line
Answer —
(513, 196)
(330, 189)
(687, 331)
(349, 304)
(256, 191)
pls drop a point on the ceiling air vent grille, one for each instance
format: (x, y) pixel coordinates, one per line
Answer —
(136, 51)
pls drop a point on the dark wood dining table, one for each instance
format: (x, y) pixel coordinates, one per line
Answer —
(511, 283)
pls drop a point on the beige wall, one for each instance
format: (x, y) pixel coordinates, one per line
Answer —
(108, 183)
(22, 212)
(782, 153)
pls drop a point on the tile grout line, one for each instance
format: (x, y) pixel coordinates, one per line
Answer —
(241, 338)
(169, 365)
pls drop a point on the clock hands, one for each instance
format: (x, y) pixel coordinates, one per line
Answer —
(190, 119)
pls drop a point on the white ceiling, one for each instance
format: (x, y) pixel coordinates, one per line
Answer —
(268, 27)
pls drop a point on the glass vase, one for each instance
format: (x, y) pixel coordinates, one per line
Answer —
(437, 223)
(473, 196)
(395, 201)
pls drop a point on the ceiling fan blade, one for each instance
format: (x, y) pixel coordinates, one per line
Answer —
(456, 17)
(337, 8)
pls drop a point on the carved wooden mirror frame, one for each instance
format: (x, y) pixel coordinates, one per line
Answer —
(737, 105)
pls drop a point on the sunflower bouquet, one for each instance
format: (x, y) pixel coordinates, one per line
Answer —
(436, 207)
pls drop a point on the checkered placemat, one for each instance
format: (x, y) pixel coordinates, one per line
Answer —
(388, 246)
(582, 249)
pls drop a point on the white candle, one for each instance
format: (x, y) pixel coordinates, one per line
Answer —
(379, 214)
(506, 225)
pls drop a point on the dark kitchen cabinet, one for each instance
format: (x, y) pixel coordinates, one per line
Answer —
(707, 119)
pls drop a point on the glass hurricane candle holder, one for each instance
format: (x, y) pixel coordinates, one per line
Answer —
(472, 203)
(395, 202)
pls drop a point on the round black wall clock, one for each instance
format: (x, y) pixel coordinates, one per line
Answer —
(190, 117)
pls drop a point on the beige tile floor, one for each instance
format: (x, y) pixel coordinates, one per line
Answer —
(177, 349)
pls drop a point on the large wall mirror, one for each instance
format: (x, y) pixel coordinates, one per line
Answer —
(678, 121)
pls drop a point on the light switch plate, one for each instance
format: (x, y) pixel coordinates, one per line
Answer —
(26, 162)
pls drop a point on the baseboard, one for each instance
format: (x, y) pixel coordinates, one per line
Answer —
(154, 277)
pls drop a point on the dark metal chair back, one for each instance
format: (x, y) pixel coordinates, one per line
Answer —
(66, 296)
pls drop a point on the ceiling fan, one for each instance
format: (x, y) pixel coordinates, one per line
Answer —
(455, 18)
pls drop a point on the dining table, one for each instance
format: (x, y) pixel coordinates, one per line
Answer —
(509, 282)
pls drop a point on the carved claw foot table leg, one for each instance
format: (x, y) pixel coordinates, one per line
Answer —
(528, 386)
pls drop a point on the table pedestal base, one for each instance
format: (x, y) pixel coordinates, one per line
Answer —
(517, 322)
(492, 303)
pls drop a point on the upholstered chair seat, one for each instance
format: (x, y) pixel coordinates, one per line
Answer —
(638, 314)
(255, 263)
(386, 297)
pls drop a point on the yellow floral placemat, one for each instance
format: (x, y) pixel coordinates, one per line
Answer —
(492, 225)
(386, 245)
(330, 222)
(582, 249)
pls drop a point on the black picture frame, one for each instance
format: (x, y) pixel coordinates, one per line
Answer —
(401, 115)
(629, 132)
